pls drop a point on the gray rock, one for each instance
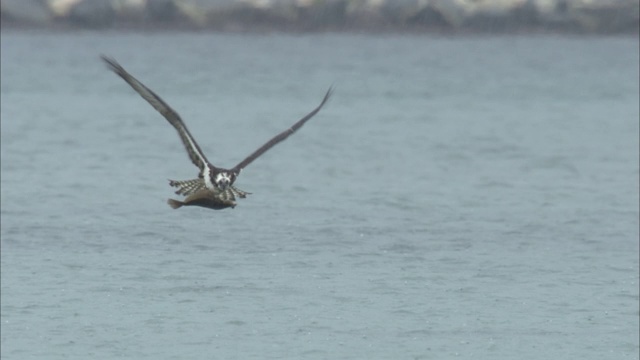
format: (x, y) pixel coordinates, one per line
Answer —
(486, 15)
(34, 12)
(92, 14)
(322, 14)
(605, 16)
(162, 10)
(588, 16)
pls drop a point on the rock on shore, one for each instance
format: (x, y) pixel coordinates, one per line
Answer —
(577, 16)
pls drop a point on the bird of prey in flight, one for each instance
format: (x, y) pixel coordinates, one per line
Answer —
(214, 187)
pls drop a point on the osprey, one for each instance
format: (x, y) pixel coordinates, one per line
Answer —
(214, 187)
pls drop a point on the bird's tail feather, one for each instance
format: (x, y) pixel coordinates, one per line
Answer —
(239, 193)
(187, 187)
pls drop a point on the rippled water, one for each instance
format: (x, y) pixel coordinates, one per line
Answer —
(457, 197)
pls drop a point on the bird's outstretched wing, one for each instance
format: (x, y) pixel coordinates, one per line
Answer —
(196, 155)
(280, 137)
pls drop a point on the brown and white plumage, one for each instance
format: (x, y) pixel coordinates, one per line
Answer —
(214, 187)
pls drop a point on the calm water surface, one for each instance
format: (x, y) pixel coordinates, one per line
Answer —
(456, 198)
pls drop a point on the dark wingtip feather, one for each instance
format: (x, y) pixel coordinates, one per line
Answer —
(328, 94)
(112, 64)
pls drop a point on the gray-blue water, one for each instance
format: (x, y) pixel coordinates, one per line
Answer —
(472, 197)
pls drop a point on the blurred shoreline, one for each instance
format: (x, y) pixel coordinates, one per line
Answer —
(374, 16)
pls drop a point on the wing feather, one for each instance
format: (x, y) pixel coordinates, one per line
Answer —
(194, 151)
(280, 137)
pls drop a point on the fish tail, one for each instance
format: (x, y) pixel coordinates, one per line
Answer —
(175, 204)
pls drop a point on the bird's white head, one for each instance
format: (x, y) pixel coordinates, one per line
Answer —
(222, 180)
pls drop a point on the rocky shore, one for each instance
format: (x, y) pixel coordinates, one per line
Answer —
(453, 16)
